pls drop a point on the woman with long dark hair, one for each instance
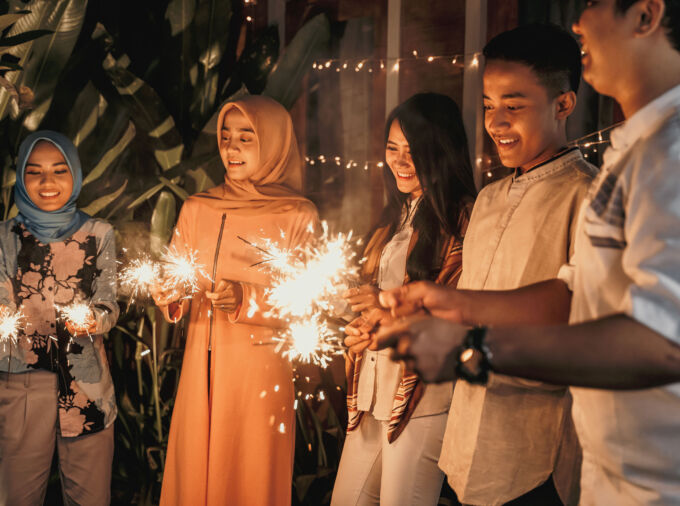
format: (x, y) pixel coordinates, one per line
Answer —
(396, 423)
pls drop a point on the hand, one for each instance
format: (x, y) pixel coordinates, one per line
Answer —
(428, 344)
(362, 298)
(88, 329)
(359, 330)
(440, 301)
(227, 297)
(164, 296)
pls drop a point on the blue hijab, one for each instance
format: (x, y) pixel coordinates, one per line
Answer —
(49, 226)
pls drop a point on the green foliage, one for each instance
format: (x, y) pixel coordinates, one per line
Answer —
(137, 86)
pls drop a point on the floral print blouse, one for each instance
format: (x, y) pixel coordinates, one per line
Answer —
(37, 278)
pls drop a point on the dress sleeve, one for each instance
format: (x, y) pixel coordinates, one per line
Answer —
(105, 305)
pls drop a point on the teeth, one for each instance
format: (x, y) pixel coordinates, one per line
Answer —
(403, 174)
(235, 162)
(49, 194)
(507, 141)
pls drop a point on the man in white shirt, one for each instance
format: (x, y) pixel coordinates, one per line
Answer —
(623, 341)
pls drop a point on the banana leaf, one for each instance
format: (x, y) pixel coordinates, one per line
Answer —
(45, 57)
(256, 63)
(162, 221)
(149, 114)
(111, 155)
(284, 82)
(180, 14)
(104, 201)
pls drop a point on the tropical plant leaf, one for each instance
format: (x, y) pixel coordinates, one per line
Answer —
(7, 20)
(162, 221)
(23, 37)
(145, 196)
(256, 63)
(111, 155)
(47, 56)
(93, 208)
(284, 82)
(148, 113)
(181, 192)
(180, 14)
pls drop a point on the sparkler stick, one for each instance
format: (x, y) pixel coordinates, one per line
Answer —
(10, 324)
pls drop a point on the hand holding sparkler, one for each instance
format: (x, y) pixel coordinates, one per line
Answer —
(362, 298)
(10, 323)
(360, 330)
(227, 297)
(79, 319)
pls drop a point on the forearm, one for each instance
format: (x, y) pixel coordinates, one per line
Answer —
(613, 353)
(542, 303)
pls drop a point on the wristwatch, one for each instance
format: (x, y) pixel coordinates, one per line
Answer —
(473, 361)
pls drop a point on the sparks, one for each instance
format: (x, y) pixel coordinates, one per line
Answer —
(10, 323)
(139, 277)
(182, 270)
(78, 314)
(305, 288)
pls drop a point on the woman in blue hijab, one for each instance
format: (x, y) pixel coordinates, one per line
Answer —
(55, 385)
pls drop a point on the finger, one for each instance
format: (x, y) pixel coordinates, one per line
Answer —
(390, 298)
(358, 308)
(407, 309)
(360, 347)
(353, 340)
(351, 292)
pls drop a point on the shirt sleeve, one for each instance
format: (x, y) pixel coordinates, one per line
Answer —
(652, 231)
(104, 301)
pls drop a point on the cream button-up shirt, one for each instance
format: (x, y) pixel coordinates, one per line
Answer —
(380, 376)
(502, 440)
(627, 260)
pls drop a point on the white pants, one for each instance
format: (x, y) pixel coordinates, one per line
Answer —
(404, 473)
(28, 435)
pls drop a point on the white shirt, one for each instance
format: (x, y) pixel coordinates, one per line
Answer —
(380, 376)
(627, 260)
(505, 439)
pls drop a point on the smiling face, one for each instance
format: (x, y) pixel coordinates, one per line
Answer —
(239, 146)
(602, 33)
(47, 177)
(398, 158)
(524, 123)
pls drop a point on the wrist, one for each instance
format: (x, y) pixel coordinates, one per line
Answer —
(473, 359)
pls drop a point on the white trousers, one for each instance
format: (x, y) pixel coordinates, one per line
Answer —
(404, 473)
(28, 436)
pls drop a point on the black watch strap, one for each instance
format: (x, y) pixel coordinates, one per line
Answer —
(474, 341)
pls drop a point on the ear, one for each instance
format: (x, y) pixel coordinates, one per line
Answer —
(565, 102)
(648, 16)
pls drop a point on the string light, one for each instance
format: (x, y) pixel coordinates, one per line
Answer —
(588, 144)
(370, 64)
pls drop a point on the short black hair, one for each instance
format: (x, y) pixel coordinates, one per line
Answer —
(670, 21)
(549, 50)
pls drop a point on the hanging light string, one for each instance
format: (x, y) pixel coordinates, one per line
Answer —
(588, 144)
(371, 64)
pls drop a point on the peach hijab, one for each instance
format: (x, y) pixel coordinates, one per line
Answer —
(276, 185)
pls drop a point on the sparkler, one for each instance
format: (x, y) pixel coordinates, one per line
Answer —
(78, 314)
(306, 286)
(10, 323)
(182, 270)
(139, 277)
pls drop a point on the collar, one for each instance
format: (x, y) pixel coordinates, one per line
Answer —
(549, 167)
(642, 124)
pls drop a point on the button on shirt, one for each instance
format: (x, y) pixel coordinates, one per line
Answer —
(502, 440)
(380, 376)
(627, 260)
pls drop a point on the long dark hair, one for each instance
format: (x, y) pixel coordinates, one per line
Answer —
(433, 127)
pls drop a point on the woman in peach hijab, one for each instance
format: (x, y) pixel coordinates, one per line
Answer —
(233, 427)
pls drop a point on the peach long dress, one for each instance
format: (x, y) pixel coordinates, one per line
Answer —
(232, 436)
